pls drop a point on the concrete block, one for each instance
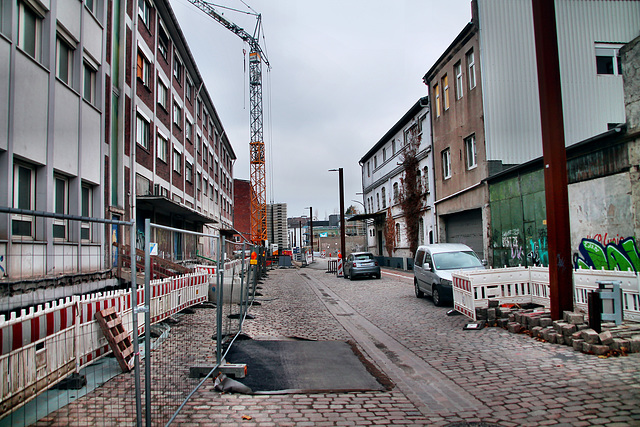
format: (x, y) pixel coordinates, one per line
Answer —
(481, 313)
(557, 325)
(583, 326)
(620, 344)
(491, 314)
(568, 329)
(514, 327)
(568, 341)
(553, 337)
(576, 335)
(577, 344)
(606, 338)
(493, 303)
(502, 323)
(512, 317)
(586, 347)
(560, 339)
(503, 312)
(590, 336)
(573, 317)
(536, 331)
(546, 332)
(599, 349)
(634, 344)
(544, 322)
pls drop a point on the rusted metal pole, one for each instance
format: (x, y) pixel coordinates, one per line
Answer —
(555, 158)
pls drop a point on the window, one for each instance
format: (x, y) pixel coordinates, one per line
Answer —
(445, 92)
(216, 196)
(393, 147)
(144, 12)
(189, 90)
(205, 187)
(375, 162)
(421, 231)
(384, 155)
(397, 233)
(87, 211)
(92, 5)
(163, 96)
(61, 206)
(471, 66)
(384, 198)
(446, 164)
(163, 41)
(64, 60)
(189, 130)
(211, 190)
(188, 172)
(436, 92)
(177, 161)
(24, 192)
(177, 68)
(458, 71)
(29, 31)
(396, 194)
(378, 200)
(162, 148)
(470, 151)
(89, 83)
(177, 114)
(608, 59)
(198, 107)
(368, 169)
(142, 132)
(425, 174)
(143, 69)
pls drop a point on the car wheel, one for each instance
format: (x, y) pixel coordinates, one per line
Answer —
(346, 275)
(351, 277)
(435, 293)
(419, 293)
(378, 276)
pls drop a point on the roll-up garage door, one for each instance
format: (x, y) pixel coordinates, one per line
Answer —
(466, 227)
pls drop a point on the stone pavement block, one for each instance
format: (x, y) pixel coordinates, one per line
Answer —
(514, 327)
(606, 338)
(545, 322)
(568, 329)
(599, 349)
(573, 317)
(634, 344)
(590, 336)
(620, 344)
(586, 347)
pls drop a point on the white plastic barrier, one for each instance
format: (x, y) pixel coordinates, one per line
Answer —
(522, 285)
(43, 345)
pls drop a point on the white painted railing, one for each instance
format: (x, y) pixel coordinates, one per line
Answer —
(42, 345)
(521, 285)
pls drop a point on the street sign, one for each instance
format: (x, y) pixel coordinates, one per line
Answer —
(153, 249)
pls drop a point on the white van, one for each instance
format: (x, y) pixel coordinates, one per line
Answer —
(433, 265)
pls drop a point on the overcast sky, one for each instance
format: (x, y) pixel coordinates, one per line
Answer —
(343, 73)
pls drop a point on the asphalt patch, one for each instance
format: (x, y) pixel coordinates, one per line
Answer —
(280, 367)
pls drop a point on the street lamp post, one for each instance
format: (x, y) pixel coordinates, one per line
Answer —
(342, 224)
(311, 229)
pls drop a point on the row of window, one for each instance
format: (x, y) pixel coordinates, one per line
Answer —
(441, 88)
(421, 175)
(471, 157)
(408, 136)
(24, 193)
(30, 39)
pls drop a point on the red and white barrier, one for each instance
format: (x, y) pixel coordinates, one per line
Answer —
(44, 344)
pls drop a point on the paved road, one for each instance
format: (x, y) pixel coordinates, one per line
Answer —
(442, 374)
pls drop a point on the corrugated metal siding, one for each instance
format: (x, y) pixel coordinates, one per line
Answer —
(509, 77)
(509, 80)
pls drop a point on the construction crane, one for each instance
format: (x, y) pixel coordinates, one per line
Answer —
(256, 143)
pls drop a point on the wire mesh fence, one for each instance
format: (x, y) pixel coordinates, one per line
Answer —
(72, 325)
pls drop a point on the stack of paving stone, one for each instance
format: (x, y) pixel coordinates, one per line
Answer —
(572, 330)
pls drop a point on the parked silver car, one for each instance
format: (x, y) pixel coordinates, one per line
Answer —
(433, 265)
(361, 264)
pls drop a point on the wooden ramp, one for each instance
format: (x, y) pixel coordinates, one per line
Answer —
(119, 339)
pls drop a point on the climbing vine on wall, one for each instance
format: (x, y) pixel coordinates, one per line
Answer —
(411, 193)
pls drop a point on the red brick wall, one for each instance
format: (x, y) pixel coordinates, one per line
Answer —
(242, 206)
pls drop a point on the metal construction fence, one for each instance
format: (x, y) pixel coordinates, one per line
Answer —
(522, 285)
(56, 358)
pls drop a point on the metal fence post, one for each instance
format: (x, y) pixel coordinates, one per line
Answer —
(219, 300)
(134, 324)
(147, 321)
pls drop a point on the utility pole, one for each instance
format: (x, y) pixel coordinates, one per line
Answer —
(342, 224)
(311, 229)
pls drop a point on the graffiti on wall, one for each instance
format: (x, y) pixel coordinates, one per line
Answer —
(511, 240)
(539, 254)
(605, 238)
(2, 270)
(621, 255)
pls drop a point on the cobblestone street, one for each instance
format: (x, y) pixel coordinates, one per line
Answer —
(442, 374)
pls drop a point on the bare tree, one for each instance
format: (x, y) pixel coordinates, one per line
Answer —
(389, 233)
(411, 197)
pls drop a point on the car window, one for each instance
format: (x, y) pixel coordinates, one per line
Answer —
(456, 260)
(363, 257)
(419, 257)
(427, 259)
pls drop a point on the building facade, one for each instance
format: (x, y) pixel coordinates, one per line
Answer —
(277, 229)
(104, 114)
(485, 102)
(382, 175)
